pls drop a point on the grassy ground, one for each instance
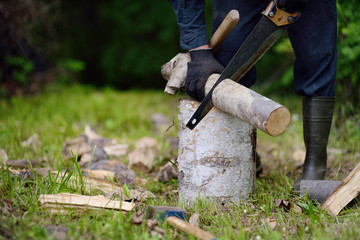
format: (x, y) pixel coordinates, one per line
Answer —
(61, 113)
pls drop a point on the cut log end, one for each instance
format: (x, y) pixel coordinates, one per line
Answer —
(278, 121)
(232, 98)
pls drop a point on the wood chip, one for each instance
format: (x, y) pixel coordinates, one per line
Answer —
(283, 204)
(195, 219)
(117, 150)
(271, 222)
(3, 156)
(347, 191)
(91, 134)
(68, 200)
(101, 174)
(138, 218)
(287, 205)
(92, 183)
(157, 232)
(142, 158)
(151, 224)
(167, 172)
(296, 208)
(33, 142)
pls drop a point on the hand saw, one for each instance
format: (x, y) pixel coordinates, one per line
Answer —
(266, 32)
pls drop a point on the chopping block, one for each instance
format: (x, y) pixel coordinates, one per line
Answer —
(217, 158)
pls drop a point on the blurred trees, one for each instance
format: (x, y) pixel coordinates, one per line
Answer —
(123, 44)
(117, 43)
(348, 71)
(26, 37)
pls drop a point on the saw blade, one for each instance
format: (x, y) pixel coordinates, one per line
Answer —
(261, 38)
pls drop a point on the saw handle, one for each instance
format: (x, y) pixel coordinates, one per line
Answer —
(225, 28)
(279, 16)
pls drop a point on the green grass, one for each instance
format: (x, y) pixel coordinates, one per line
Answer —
(60, 114)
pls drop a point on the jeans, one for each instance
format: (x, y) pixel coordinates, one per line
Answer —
(313, 38)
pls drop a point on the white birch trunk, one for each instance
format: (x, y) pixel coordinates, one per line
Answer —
(217, 158)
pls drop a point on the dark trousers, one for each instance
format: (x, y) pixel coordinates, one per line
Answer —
(313, 38)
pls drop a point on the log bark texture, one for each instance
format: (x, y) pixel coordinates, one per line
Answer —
(233, 98)
(217, 158)
(244, 103)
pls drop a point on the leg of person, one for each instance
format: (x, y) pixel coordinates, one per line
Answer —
(314, 41)
(250, 14)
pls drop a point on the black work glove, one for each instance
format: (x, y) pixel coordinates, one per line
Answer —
(292, 6)
(201, 66)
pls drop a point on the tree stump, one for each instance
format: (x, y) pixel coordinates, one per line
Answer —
(217, 158)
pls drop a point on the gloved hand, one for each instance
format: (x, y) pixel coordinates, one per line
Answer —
(292, 6)
(201, 66)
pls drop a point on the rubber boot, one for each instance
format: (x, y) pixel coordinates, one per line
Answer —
(317, 118)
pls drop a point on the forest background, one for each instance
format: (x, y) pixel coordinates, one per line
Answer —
(123, 44)
(67, 65)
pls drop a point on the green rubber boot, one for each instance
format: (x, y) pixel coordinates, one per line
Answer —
(317, 118)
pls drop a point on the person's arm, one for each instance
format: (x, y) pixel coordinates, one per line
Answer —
(191, 21)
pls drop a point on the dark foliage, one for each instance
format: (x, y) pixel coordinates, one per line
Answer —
(123, 44)
(26, 41)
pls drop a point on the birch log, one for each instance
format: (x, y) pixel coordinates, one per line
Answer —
(233, 98)
(249, 106)
(217, 158)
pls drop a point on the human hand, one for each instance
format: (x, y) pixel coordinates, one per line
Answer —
(201, 66)
(292, 6)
